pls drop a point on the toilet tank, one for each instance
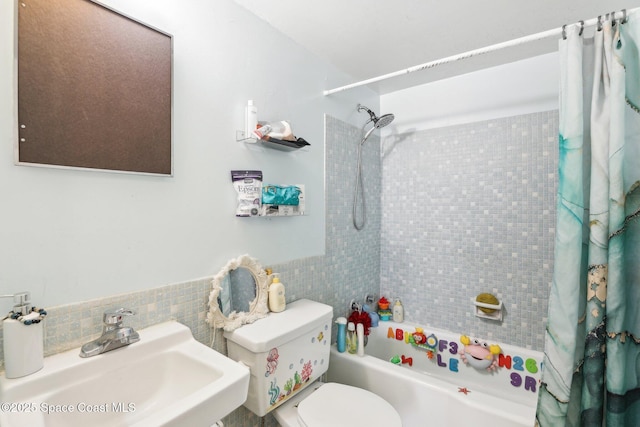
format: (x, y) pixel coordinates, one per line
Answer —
(285, 351)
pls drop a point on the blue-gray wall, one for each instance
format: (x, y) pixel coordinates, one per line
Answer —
(470, 209)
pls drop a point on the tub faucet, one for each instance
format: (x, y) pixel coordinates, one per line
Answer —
(114, 334)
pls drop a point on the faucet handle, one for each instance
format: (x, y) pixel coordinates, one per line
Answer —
(114, 317)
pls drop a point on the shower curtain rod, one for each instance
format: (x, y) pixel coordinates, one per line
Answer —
(475, 52)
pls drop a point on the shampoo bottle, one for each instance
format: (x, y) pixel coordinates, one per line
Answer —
(360, 334)
(250, 119)
(277, 301)
(352, 338)
(398, 312)
(341, 342)
(23, 342)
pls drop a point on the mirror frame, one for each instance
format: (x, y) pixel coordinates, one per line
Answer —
(258, 308)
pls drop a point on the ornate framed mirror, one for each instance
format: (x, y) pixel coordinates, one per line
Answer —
(238, 295)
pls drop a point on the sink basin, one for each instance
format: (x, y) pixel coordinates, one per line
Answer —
(166, 379)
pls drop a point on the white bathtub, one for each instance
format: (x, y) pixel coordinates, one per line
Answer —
(442, 391)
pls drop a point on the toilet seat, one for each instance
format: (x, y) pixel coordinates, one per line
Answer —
(339, 405)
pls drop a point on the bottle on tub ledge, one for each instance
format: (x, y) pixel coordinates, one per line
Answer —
(277, 300)
(352, 338)
(398, 311)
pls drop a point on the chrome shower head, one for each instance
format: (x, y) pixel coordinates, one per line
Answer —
(383, 120)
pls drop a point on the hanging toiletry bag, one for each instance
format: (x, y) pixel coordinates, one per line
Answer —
(280, 195)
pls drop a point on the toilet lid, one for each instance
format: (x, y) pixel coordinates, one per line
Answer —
(340, 405)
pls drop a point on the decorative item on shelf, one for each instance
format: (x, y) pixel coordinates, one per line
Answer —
(488, 306)
(479, 354)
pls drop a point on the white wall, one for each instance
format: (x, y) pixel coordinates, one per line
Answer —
(71, 235)
(521, 87)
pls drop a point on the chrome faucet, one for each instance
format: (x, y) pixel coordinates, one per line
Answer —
(114, 335)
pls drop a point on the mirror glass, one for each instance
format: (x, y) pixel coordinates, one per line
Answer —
(238, 295)
(243, 289)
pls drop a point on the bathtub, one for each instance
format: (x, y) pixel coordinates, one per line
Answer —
(434, 386)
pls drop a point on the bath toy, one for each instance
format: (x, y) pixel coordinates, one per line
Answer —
(385, 315)
(432, 341)
(479, 354)
(407, 360)
(428, 343)
(395, 360)
(419, 337)
(383, 303)
(399, 334)
(464, 390)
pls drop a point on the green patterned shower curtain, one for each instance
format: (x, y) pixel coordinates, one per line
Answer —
(592, 349)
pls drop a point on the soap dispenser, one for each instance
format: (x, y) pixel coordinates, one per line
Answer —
(23, 341)
(277, 301)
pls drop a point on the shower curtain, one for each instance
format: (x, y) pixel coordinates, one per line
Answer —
(592, 343)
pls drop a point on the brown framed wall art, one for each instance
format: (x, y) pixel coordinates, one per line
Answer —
(94, 89)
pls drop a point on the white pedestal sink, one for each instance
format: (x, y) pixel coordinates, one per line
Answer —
(165, 379)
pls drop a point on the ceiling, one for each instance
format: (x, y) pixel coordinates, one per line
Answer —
(369, 38)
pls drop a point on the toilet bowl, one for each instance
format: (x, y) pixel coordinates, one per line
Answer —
(336, 405)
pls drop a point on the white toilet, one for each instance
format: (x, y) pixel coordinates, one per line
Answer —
(287, 353)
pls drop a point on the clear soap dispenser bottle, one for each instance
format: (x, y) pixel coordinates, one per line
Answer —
(23, 341)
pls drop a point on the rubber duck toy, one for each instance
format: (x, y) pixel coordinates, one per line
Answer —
(479, 354)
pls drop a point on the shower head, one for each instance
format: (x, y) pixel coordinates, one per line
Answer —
(383, 120)
(378, 122)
